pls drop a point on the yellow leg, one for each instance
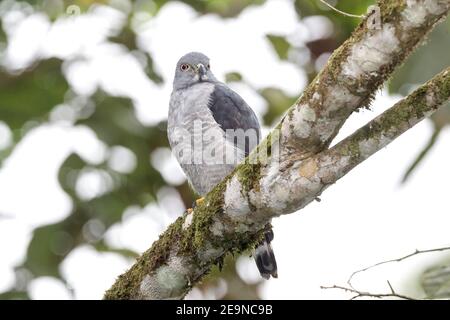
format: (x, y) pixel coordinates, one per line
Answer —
(196, 203)
(199, 201)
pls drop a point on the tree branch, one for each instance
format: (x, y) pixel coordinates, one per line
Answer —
(355, 70)
(297, 169)
(382, 130)
(361, 294)
(415, 253)
(364, 294)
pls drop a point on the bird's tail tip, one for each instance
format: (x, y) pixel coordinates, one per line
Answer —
(265, 258)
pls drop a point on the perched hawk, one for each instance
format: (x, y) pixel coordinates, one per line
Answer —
(211, 130)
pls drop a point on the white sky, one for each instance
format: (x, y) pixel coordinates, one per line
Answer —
(365, 218)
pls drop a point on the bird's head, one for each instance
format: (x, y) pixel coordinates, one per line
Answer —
(192, 68)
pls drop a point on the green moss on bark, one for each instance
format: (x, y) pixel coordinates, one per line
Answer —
(199, 232)
(365, 85)
(401, 116)
(390, 9)
(128, 284)
(188, 242)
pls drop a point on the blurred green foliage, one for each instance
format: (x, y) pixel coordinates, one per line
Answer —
(425, 62)
(43, 87)
(436, 281)
(343, 25)
(27, 98)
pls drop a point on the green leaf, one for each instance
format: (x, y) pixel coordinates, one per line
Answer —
(233, 77)
(280, 45)
(14, 295)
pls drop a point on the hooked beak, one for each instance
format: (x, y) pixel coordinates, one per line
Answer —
(201, 70)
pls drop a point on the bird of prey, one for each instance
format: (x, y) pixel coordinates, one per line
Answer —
(202, 106)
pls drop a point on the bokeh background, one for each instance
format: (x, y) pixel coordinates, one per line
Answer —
(87, 181)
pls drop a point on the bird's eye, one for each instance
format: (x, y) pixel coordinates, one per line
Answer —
(208, 66)
(184, 67)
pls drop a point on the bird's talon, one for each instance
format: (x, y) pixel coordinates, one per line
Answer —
(199, 201)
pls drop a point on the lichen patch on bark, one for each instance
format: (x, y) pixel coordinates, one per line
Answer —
(308, 168)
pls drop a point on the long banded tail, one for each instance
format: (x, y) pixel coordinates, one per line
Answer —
(265, 258)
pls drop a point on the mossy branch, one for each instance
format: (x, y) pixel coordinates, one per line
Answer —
(385, 128)
(234, 215)
(356, 70)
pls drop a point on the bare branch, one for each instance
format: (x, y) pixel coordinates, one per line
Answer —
(416, 252)
(385, 128)
(360, 294)
(363, 294)
(390, 287)
(354, 72)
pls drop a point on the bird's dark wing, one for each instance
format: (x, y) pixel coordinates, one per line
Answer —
(230, 111)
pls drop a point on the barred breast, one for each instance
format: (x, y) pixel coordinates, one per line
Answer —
(197, 140)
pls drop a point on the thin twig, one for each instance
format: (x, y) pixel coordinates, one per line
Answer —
(390, 286)
(341, 12)
(349, 281)
(361, 294)
(422, 154)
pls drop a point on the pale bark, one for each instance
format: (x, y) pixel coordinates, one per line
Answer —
(235, 213)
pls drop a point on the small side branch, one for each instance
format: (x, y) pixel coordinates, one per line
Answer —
(354, 72)
(393, 294)
(415, 253)
(364, 294)
(385, 128)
